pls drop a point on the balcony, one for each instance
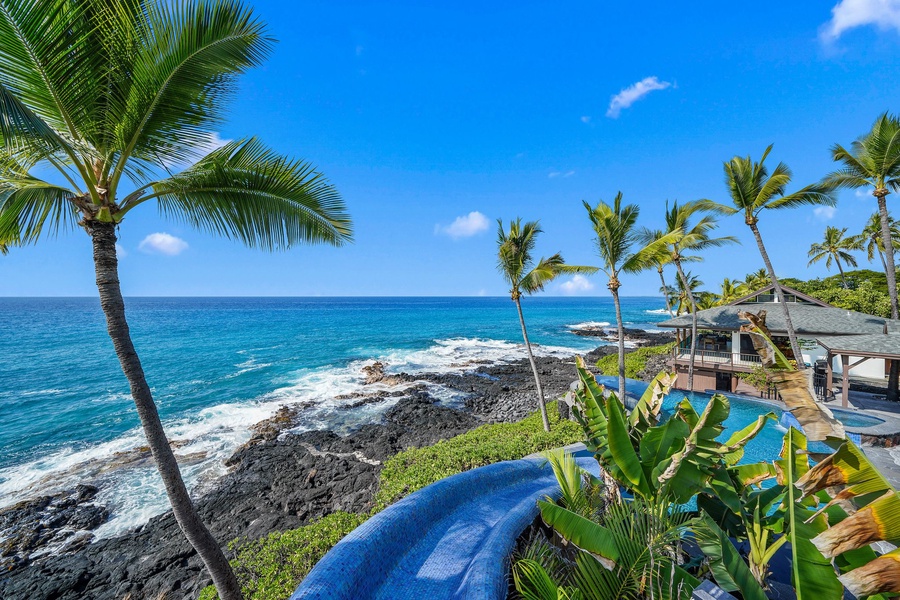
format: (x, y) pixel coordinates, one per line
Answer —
(717, 359)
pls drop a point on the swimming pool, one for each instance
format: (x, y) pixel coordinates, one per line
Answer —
(767, 444)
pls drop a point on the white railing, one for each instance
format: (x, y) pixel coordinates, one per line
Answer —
(714, 357)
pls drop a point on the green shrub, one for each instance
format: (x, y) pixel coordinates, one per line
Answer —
(415, 468)
(271, 568)
(635, 361)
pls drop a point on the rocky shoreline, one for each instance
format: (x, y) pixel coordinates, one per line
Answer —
(278, 480)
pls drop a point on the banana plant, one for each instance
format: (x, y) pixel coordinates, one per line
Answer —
(675, 459)
(767, 518)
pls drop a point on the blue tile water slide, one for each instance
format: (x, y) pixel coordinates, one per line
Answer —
(449, 540)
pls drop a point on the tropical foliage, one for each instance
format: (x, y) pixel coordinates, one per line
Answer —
(823, 513)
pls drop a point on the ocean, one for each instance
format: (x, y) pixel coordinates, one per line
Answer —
(218, 365)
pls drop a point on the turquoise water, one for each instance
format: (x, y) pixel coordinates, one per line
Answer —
(218, 365)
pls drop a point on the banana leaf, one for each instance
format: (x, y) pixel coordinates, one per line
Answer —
(880, 575)
(727, 565)
(583, 533)
(646, 413)
(811, 573)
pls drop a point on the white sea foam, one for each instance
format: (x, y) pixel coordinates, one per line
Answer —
(588, 324)
(657, 311)
(135, 493)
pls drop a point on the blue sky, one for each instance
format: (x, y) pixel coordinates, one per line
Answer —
(422, 115)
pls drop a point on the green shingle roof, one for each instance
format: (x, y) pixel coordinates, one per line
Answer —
(808, 319)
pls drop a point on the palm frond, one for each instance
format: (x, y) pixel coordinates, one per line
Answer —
(246, 191)
(184, 70)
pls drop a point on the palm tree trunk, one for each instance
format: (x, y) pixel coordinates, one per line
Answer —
(662, 280)
(621, 326)
(841, 271)
(891, 269)
(883, 262)
(665, 292)
(893, 391)
(789, 325)
(537, 378)
(106, 266)
(690, 295)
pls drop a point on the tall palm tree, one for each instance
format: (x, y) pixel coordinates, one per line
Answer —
(109, 95)
(753, 190)
(687, 237)
(514, 251)
(834, 247)
(731, 290)
(870, 240)
(874, 160)
(615, 228)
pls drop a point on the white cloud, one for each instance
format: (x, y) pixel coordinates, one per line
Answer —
(553, 174)
(585, 119)
(577, 285)
(865, 192)
(848, 14)
(120, 251)
(163, 243)
(465, 226)
(633, 93)
(824, 213)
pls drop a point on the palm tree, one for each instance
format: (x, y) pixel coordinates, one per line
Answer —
(870, 240)
(614, 226)
(732, 289)
(687, 237)
(874, 160)
(834, 247)
(708, 300)
(681, 294)
(109, 95)
(757, 280)
(515, 265)
(752, 190)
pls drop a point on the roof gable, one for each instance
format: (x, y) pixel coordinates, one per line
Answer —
(785, 289)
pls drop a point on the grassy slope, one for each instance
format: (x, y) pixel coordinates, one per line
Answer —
(271, 568)
(635, 361)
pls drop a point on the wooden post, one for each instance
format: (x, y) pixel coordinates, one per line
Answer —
(845, 379)
(829, 374)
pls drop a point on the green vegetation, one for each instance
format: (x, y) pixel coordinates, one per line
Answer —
(635, 361)
(415, 468)
(272, 567)
(746, 511)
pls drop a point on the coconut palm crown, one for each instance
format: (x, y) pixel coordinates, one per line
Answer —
(873, 161)
(835, 248)
(100, 101)
(753, 189)
(871, 240)
(515, 262)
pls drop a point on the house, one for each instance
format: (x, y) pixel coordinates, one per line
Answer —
(823, 332)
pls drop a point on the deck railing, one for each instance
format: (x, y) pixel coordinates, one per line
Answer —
(715, 357)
